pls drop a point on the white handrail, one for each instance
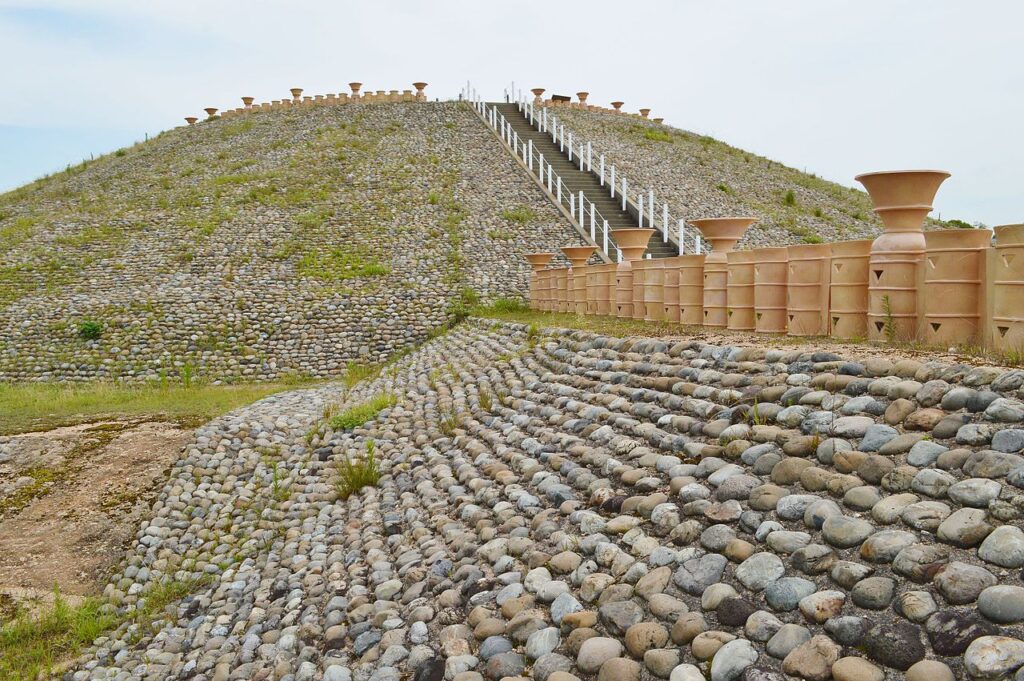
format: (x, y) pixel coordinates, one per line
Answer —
(562, 136)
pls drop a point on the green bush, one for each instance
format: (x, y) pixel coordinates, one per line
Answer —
(520, 214)
(509, 305)
(89, 329)
(960, 224)
(657, 135)
(790, 198)
(359, 414)
(354, 476)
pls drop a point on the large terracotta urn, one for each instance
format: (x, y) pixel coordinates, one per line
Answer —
(632, 243)
(807, 289)
(644, 112)
(561, 280)
(617, 106)
(191, 120)
(670, 288)
(583, 99)
(654, 290)
(296, 94)
(421, 96)
(1007, 290)
(247, 101)
(602, 278)
(770, 276)
(538, 261)
(355, 89)
(578, 256)
(210, 111)
(659, 120)
(848, 289)
(722, 234)
(902, 198)
(953, 299)
(740, 290)
(537, 92)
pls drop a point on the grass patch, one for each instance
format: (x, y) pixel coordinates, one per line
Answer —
(355, 475)
(519, 214)
(657, 135)
(40, 406)
(355, 416)
(340, 264)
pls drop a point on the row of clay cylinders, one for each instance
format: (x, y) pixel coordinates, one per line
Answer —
(538, 100)
(561, 289)
(297, 99)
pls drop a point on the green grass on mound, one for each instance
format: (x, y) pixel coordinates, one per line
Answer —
(40, 406)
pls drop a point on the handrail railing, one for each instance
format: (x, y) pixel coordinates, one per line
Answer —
(585, 155)
(582, 210)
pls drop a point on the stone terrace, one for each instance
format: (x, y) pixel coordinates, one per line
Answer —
(258, 246)
(561, 505)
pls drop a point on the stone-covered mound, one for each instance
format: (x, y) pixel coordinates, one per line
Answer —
(281, 242)
(701, 177)
(560, 505)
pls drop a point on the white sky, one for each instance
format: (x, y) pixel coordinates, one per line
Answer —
(832, 86)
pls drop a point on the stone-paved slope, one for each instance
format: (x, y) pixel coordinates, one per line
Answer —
(287, 241)
(703, 177)
(560, 505)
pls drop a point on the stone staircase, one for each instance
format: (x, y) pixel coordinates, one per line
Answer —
(575, 180)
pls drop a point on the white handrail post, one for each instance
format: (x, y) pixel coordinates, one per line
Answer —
(540, 163)
(593, 221)
(570, 146)
(558, 182)
(572, 205)
(605, 249)
(590, 166)
(561, 141)
(554, 129)
(625, 189)
(664, 226)
(650, 208)
(602, 170)
(549, 178)
(529, 154)
(640, 209)
(611, 180)
(582, 211)
(515, 141)
(682, 236)
(581, 155)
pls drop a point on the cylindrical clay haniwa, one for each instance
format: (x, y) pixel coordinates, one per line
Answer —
(538, 261)
(902, 198)
(632, 243)
(848, 289)
(578, 256)
(770, 271)
(807, 290)
(954, 285)
(1008, 289)
(722, 234)
(740, 290)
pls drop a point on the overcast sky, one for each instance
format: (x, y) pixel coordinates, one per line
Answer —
(831, 86)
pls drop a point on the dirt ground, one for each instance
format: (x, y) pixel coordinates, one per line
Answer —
(71, 498)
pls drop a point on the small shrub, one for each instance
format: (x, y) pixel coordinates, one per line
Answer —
(723, 187)
(89, 329)
(890, 322)
(434, 198)
(812, 239)
(448, 423)
(790, 198)
(355, 416)
(519, 214)
(121, 152)
(486, 402)
(499, 235)
(657, 135)
(354, 476)
(959, 224)
(509, 305)
(818, 213)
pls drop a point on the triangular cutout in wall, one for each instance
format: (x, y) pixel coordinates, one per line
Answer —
(879, 325)
(935, 326)
(1002, 330)
(878, 273)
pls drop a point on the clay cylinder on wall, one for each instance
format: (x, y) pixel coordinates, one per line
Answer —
(670, 289)
(593, 277)
(848, 289)
(1007, 289)
(722, 234)
(605, 303)
(807, 290)
(740, 290)
(902, 199)
(691, 289)
(537, 92)
(562, 289)
(654, 290)
(770, 271)
(639, 280)
(578, 256)
(632, 243)
(953, 298)
(420, 95)
(537, 263)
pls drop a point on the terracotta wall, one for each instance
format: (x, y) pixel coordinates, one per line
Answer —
(969, 288)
